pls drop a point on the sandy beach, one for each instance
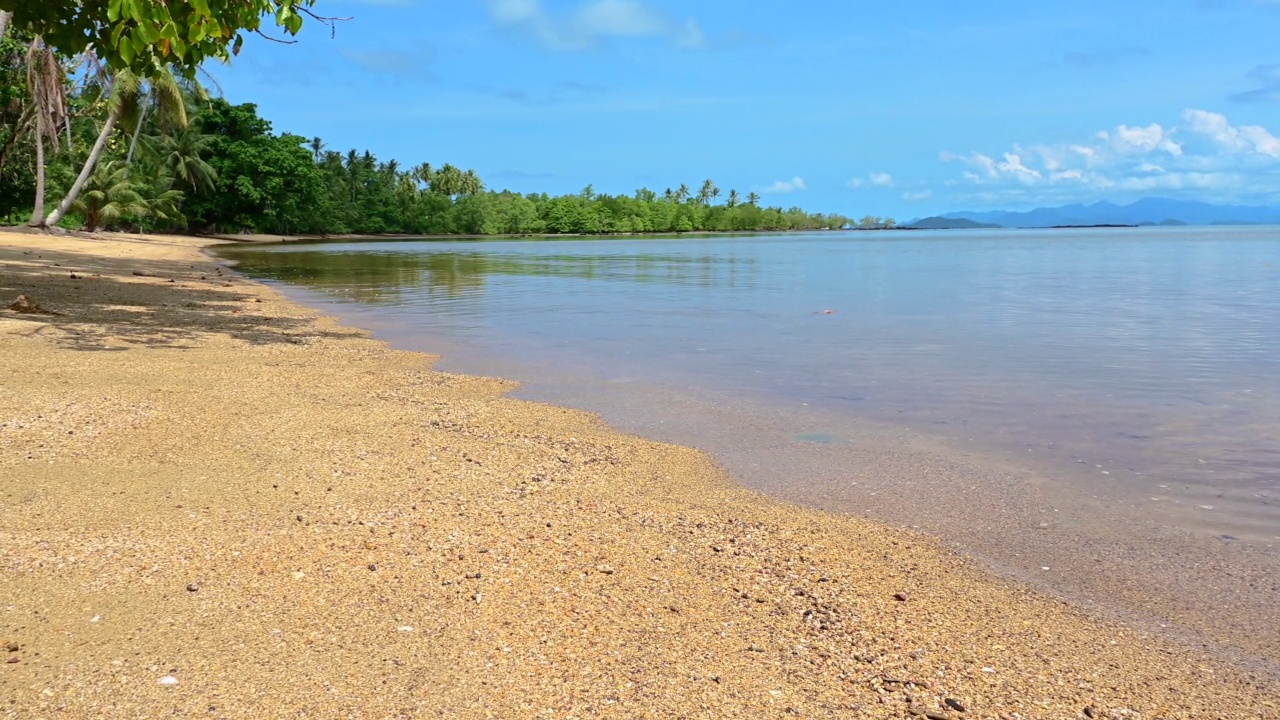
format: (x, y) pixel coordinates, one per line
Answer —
(216, 503)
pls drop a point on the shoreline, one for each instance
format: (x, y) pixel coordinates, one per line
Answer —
(367, 535)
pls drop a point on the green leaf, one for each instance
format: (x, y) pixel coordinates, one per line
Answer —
(202, 7)
(169, 31)
(196, 33)
(113, 10)
(293, 24)
(126, 49)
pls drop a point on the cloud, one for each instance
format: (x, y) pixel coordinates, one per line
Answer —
(1101, 58)
(1236, 139)
(795, 184)
(917, 196)
(593, 23)
(1141, 140)
(875, 179)
(554, 94)
(1267, 77)
(1203, 154)
(414, 62)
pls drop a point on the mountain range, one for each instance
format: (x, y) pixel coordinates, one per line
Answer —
(1148, 211)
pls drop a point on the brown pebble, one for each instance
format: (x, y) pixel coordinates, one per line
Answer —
(193, 587)
(953, 704)
(13, 659)
(11, 647)
(900, 597)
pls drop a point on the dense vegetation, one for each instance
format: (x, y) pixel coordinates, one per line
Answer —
(140, 145)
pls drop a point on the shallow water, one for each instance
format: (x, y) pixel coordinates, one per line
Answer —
(1118, 378)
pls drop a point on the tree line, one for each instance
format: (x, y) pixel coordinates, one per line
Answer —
(121, 134)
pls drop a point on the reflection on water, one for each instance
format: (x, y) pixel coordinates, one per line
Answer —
(1142, 360)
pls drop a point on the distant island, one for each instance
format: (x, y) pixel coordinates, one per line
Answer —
(945, 223)
(1145, 213)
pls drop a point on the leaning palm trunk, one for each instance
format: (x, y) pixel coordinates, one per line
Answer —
(4, 22)
(85, 171)
(137, 130)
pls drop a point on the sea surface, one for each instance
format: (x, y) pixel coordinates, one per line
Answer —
(1095, 412)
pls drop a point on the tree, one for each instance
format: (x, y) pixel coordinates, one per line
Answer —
(109, 197)
(753, 199)
(181, 156)
(733, 198)
(45, 80)
(122, 95)
(869, 222)
(141, 37)
(704, 192)
(889, 223)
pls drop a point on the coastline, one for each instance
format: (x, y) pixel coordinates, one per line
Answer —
(365, 535)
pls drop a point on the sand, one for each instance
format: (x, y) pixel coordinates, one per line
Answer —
(214, 503)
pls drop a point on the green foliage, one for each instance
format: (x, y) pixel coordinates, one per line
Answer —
(144, 35)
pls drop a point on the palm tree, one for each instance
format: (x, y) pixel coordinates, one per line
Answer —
(123, 96)
(166, 95)
(704, 193)
(180, 154)
(733, 198)
(45, 84)
(423, 174)
(753, 199)
(715, 193)
(109, 196)
(682, 194)
(317, 149)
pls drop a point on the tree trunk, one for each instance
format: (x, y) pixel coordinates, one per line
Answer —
(37, 215)
(137, 131)
(4, 22)
(85, 171)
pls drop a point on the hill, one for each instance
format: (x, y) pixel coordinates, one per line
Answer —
(1148, 211)
(947, 223)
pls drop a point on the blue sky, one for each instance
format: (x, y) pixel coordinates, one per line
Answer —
(902, 109)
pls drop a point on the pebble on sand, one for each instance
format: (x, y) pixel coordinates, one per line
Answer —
(168, 680)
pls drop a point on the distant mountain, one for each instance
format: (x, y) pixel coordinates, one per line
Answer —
(1148, 211)
(947, 223)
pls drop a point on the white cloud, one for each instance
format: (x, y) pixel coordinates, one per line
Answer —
(1236, 139)
(593, 22)
(1013, 166)
(875, 179)
(1203, 153)
(917, 196)
(1140, 140)
(795, 184)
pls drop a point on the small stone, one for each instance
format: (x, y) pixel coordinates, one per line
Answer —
(192, 587)
(605, 569)
(900, 597)
(755, 649)
(1089, 712)
(373, 568)
(405, 628)
(168, 680)
(953, 704)
(13, 659)
(11, 647)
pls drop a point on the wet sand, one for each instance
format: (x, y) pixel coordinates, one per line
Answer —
(204, 484)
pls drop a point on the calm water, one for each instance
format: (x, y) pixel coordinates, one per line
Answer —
(1120, 388)
(1154, 353)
